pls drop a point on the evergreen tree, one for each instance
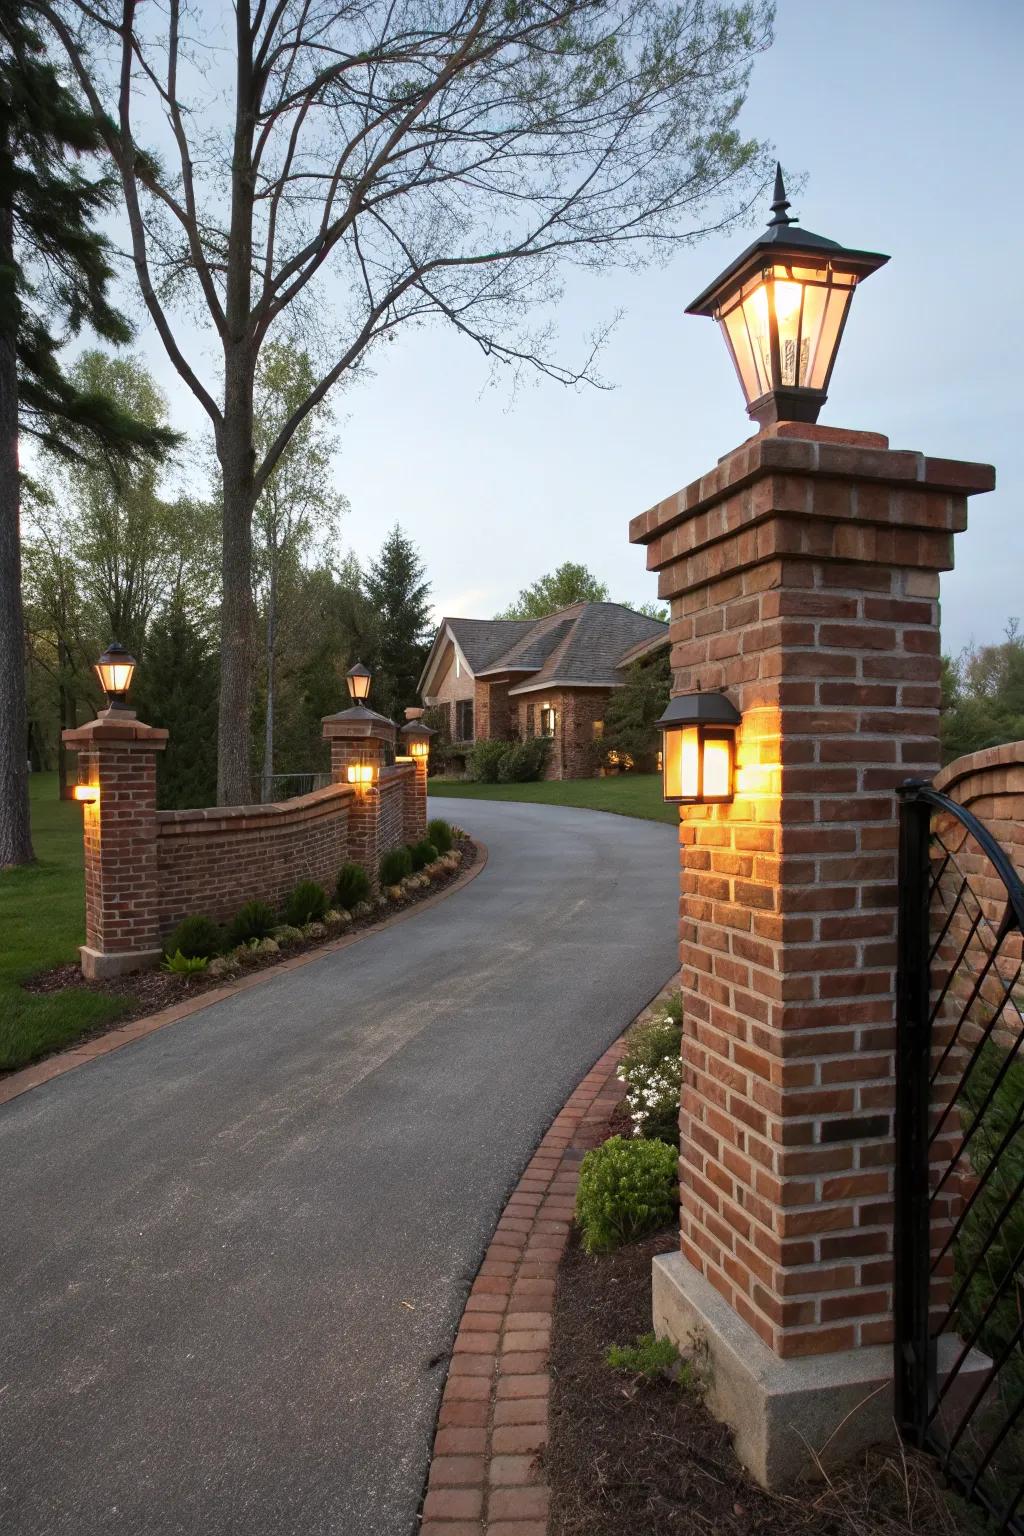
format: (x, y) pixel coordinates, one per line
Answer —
(632, 710)
(53, 263)
(177, 689)
(398, 594)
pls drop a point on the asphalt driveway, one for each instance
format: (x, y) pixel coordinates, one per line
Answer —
(233, 1255)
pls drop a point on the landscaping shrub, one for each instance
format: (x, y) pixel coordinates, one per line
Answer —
(440, 834)
(253, 921)
(651, 1070)
(306, 904)
(524, 761)
(394, 866)
(484, 760)
(422, 854)
(626, 1188)
(353, 886)
(185, 965)
(195, 938)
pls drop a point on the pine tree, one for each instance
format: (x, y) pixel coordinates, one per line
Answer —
(629, 718)
(400, 597)
(177, 689)
(53, 263)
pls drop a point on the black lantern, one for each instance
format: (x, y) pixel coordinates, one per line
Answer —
(782, 307)
(416, 737)
(115, 669)
(699, 749)
(358, 680)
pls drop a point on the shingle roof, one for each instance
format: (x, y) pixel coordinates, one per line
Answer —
(481, 640)
(593, 643)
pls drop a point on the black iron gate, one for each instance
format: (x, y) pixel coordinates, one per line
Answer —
(959, 1240)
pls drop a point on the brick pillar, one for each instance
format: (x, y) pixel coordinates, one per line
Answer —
(803, 575)
(117, 757)
(360, 735)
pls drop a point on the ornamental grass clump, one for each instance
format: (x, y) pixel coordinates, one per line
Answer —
(626, 1189)
(651, 1072)
(423, 853)
(306, 904)
(395, 866)
(439, 833)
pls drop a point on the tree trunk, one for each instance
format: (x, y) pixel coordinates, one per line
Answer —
(15, 827)
(66, 716)
(234, 785)
(268, 730)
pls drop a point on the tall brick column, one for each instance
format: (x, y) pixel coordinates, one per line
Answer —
(803, 576)
(360, 735)
(117, 757)
(414, 800)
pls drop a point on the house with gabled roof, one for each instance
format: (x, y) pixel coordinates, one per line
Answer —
(513, 678)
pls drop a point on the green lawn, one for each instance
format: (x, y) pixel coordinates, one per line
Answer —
(626, 794)
(42, 922)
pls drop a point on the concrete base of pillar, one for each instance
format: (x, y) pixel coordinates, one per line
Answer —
(100, 966)
(791, 1417)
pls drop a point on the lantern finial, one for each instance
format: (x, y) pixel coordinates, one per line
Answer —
(780, 202)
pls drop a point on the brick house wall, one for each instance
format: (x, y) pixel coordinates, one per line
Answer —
(212, 861)
(803, 578)
(576, 709)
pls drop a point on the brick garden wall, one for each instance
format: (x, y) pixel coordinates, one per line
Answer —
(211, 861)
(392, 806)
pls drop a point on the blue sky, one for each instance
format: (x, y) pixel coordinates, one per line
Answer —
(905, 117)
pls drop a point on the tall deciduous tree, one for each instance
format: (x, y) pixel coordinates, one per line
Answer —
(178, 690)
(400, 597)
(298, 510)
(438, 159)
(983, 695)
(54, 271)
(570, 583)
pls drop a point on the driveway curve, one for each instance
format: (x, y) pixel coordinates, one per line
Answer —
(233, 1256)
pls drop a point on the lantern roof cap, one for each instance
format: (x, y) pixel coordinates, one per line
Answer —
(783, 240)
(415, 728)
(359, 712)
(711, 708)
(116, 652)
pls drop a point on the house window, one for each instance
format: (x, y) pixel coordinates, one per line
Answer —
(598, 729)
(464, 720)
(547, 720)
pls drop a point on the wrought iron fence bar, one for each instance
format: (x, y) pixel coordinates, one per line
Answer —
(968, 1344)
(1011, 1420)
(987, 1102)
(958, 898)
(958, 962)
(986, 1246)
(980, 1394)
(936, 880)
(993, 1161)
(992, 849)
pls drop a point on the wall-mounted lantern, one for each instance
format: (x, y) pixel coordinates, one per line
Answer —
(782, 307)
(115, 670)
(357, 679)
(87, 794)
(416, 738)
(361, 774)
(699, 749)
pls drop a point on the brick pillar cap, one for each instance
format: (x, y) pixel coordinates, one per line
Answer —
(116, 726)
(358, 723)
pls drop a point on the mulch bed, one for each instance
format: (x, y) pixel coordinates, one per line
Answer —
(631, 1457)
(146, 992)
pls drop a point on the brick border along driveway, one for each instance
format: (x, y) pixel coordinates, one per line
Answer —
(484, 1477)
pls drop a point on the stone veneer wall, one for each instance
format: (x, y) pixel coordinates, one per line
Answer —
(213, 860)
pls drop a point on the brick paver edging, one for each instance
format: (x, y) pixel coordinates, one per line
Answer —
(20, 1082)
(484, 1476)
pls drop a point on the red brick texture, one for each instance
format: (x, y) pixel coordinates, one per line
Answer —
(146, 869)
(803, 578)
(484, 1478)
(576, 709)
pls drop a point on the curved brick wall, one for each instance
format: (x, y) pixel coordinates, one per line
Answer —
(991, 784)
(213, 860)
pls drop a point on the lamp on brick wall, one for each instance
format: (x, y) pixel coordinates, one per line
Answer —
(416, 737)
(782, 307)
(115, 670)
(699, 749)
(361, 774)
(357, 679)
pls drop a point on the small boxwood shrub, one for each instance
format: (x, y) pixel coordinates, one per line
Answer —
(422, 854)
(306, 904)
(195, 937)
(394, 866)
(485, 759)
(440, 834)
(626, 1188)
(353, 886)
(253, 921)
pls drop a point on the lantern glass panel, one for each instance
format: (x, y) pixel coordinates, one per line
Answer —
(717, 776)
(116, 676)
(360, 773)
(358, 685)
